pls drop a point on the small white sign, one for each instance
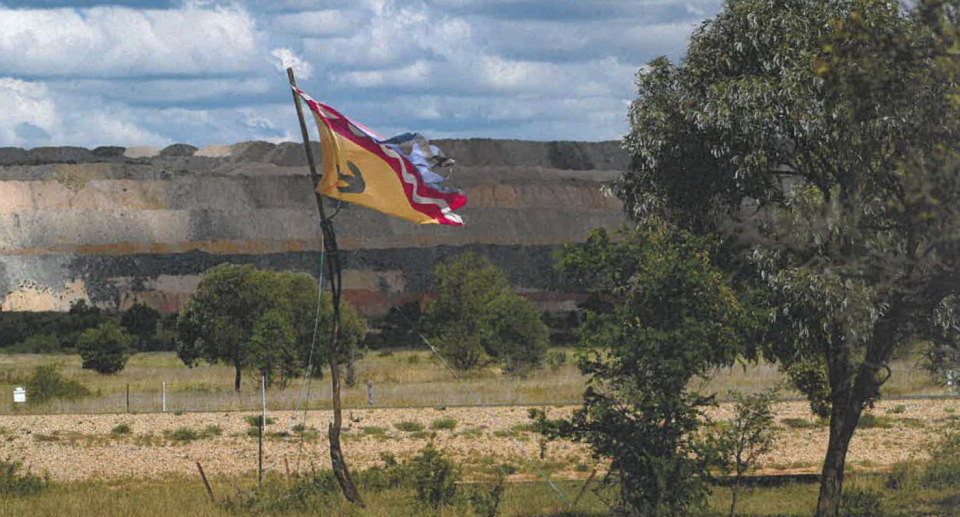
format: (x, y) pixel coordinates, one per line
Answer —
(19, 394)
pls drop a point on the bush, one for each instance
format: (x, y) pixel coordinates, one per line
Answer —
(861, 502)
(105, 349)
(15, 483)
(943, 469)
(182, 434)
(449, 423)
(120, 429)
(901, 476)
(556, 359)
(38, 344)
(798, 423)
(409, 426)
(45, 383)
(276, 497)
(898, 409)
(255, 421)
(486, 500)
(434, 478)
(869, 420)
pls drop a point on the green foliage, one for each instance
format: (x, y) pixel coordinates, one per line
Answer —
(120, 429)
(556, 359)
(17, 484)
(38, 344)
(661, 314)
(105, 349)
(46, 383)
(182, 434)
(257, 420)
(476, 316)
(485, 500)
(373, 431)
(142, 322)
(820, 140)
(275, 496)
(899, 409)
(434, 478)
(943, 469)
(901, 476)
(798, 423)
(870, 421)
(861, 502)
(409, 426)
(448, 423)
(749, 435)
(262, 320)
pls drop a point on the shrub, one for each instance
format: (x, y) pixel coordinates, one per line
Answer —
(869, 420)
(448, 423)
(45, 383)
(899, 409)
(120, 429)
(486, 500)
(797, 423)
(256, 421)
(556, 359)
(434, 478)
(943, 469)
(182, 434)
(409, 426)
(38, 344)
(901, 476)
(276, 497)
(105, 349)
(373, 431)
(15, 483)
(861, 502)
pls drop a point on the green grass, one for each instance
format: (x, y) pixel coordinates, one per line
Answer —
(186, 497)
(409, 426)
(448, 423)
(401, 378)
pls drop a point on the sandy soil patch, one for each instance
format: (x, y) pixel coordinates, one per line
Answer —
(76, 447)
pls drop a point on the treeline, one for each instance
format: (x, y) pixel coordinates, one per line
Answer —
(59, 332)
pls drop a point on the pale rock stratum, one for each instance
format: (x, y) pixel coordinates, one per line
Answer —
(118, 225)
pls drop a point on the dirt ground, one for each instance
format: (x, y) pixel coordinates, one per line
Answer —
(79, 447)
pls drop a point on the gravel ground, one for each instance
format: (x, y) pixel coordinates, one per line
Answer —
(79, 447)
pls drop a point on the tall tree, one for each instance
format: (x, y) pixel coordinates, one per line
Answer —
(820, 138)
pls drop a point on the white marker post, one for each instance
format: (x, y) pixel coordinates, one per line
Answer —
(19, 394)
(164, 396)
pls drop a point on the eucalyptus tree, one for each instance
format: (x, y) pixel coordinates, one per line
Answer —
(820, 140)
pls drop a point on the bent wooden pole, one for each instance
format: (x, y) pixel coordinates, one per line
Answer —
(339, 464)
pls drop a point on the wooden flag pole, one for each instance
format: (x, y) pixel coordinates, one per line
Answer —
(337, 461)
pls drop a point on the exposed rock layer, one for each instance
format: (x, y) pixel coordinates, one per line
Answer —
(117, 225)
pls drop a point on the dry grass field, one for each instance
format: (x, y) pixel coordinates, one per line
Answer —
(401, 379)
(121, 446)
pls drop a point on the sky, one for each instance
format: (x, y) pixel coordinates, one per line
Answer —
(157, 72)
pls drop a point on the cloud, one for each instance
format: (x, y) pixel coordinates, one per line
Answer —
(318, 24)
(124, 42)
(286, 58)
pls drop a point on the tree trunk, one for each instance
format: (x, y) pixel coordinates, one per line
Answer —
(843, 422)
(236, 380)
(734, 491)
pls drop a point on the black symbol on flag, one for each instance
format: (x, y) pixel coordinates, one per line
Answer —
(355, 183)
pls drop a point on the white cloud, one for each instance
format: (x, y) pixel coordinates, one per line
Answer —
(318, 24)
(120, 42)
(285, 58)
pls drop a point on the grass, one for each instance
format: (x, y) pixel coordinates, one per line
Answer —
(409, 426)
(185, 497)
(448, 423)
(402, 378)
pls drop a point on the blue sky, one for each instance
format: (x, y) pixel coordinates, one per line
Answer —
(156, 72)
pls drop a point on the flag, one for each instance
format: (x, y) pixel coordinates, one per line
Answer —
(392, 176)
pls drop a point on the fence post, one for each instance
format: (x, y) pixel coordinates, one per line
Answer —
(164, 396)
(128, 397)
